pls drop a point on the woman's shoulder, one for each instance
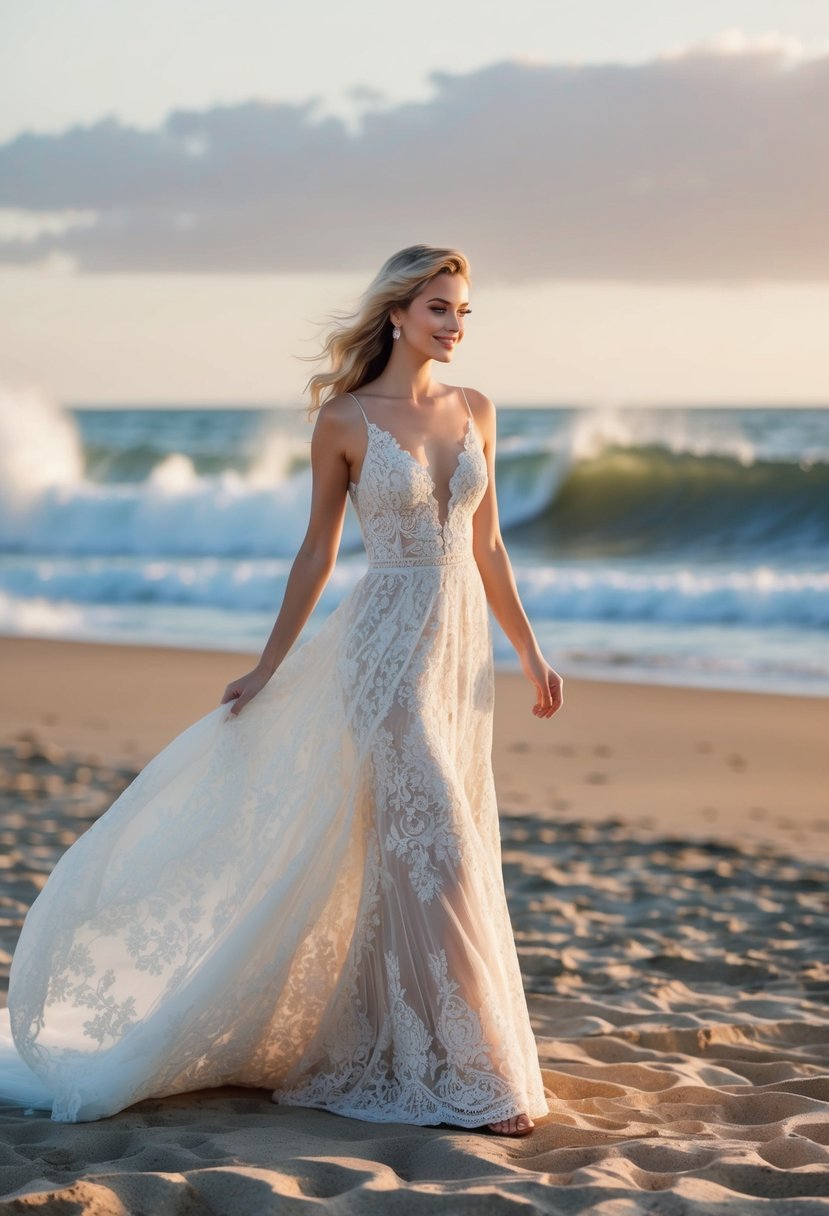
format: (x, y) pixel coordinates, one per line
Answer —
(341, 409)
(483, 407)
(476, 397)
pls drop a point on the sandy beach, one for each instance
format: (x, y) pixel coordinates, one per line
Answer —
(666, 854)
(739, 767)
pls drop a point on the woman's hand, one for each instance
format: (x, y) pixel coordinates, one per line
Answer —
(548, 684)
(245, 688)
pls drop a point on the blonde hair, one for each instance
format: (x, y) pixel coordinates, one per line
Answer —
(359, 344)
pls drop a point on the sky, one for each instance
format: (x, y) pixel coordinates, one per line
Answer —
(188, 190)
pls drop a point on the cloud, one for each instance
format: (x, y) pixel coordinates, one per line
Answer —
(707, 163)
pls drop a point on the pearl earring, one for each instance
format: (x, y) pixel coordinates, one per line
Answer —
(395, 333)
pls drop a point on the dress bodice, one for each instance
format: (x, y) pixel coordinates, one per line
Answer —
(397, 505)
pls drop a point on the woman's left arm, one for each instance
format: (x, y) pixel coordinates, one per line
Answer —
(498, 579)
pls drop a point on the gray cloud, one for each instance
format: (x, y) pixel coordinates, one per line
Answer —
(704, 165)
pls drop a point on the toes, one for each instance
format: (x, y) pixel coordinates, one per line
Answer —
(509, 1127)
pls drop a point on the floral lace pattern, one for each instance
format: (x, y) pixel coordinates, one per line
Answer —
(308, 896)
(413, 790)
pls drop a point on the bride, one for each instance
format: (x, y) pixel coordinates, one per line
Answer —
(303, 890)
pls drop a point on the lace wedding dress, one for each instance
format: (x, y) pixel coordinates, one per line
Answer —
(307, 897)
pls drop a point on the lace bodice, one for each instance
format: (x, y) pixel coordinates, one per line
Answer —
(397, 505)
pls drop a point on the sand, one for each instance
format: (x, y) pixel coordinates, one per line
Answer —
(666, 854)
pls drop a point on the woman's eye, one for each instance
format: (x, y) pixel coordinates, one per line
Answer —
(464, 313)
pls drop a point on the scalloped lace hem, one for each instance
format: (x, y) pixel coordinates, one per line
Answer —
(433, 1118)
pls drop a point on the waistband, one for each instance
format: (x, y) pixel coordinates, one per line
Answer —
(415, 563)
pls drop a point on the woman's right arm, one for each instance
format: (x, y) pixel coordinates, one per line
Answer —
(315, 558)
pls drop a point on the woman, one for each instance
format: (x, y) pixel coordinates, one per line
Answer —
(304, 891)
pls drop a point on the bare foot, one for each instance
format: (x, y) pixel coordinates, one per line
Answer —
(518, 1125)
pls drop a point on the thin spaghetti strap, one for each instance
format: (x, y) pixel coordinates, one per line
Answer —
(471, 415)
(362, 411)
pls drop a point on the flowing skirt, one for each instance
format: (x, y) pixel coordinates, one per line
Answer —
(305, 897)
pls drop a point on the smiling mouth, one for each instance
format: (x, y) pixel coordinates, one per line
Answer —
(446, 341)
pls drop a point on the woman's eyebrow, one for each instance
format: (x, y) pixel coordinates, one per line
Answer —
(441, 300)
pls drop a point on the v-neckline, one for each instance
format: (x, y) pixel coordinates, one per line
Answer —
(424, 467)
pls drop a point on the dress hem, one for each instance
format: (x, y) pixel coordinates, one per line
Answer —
(446, 1115)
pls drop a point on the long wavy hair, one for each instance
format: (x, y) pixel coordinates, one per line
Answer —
(359, 344)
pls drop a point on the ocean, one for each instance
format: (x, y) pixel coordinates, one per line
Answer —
(666, 545)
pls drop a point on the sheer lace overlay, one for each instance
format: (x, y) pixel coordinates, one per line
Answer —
(307, 897)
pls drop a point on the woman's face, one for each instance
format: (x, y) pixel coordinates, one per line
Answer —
(434, 322)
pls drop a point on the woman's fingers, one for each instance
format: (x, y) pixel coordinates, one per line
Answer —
(241, 694)
(241, 700)
(232, 690)
(556, 694)
(236, 689)
(549, 697)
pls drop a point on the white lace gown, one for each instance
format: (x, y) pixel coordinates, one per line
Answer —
(307, 897)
